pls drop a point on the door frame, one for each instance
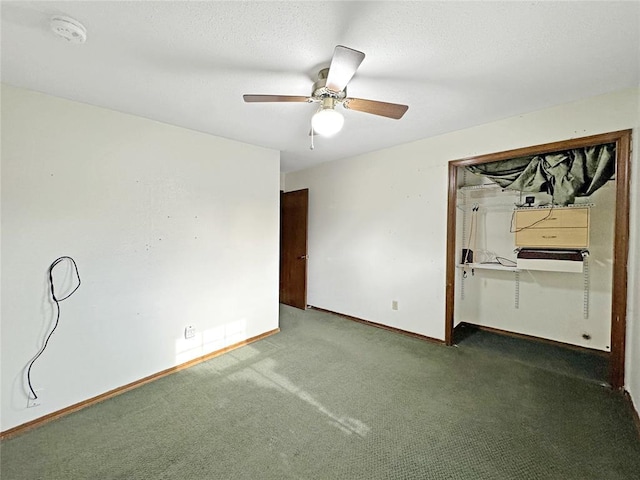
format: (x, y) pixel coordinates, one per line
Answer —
(622, 139)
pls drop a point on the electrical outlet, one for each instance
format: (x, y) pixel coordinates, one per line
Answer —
(189, 332)
(394, 304)
(35, 402)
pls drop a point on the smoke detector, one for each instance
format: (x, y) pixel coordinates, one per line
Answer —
(69, 29)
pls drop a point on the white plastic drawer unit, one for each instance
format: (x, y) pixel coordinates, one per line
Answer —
(557, 227)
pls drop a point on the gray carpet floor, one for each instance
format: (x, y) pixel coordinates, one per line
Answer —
(589, 365)
(328, 398)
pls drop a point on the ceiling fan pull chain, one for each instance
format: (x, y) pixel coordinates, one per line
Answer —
(311, 147)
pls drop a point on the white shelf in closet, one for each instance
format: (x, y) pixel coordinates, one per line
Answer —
(488, 266)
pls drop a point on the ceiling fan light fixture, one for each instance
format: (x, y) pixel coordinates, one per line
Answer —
(327, 122)
(330, 90)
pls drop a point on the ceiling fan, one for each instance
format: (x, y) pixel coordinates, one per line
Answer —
(331, 89)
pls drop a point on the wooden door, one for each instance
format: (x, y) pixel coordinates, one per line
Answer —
(294, 207)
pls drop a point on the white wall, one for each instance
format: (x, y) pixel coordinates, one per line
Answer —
(169, 228)
(372, 221)
(378, 221)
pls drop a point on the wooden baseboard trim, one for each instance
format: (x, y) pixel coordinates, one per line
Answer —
(12, 432)
(524, 336)
(380, 325)
(634, 411)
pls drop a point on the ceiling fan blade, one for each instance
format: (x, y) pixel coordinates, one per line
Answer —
(274, 98)
(343, 66)
(384, 109)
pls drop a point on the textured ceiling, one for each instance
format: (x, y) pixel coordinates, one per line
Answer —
(456, 64)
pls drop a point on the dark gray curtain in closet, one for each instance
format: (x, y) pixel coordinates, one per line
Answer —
(564, 175)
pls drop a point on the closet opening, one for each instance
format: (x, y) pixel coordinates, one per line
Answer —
(537, 246)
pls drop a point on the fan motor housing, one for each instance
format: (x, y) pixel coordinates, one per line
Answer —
(320, 90)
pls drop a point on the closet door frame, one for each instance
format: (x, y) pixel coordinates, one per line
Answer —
(622, 139)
